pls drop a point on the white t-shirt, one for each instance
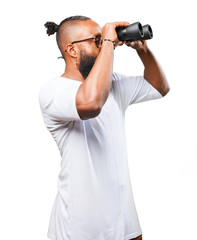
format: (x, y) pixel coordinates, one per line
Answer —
(94, 199)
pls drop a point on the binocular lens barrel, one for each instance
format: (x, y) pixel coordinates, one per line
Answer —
(148, 33)
(134, 32)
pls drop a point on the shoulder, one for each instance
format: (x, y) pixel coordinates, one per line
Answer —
(56, 84)
(50, 88)
(116, 76)
(57, 87)
(119, 77)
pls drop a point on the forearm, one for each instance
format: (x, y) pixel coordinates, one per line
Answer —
(97, 85)
(153, 72)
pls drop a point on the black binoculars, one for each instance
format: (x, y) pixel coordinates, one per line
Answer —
(134, 32)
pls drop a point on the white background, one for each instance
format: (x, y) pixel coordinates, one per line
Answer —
(161, 134)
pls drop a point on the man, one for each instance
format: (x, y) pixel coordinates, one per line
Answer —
(84, 109)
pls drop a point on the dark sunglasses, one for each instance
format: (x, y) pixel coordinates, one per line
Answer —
(97, 39)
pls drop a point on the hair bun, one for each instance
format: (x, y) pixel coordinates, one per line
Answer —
(51, 27)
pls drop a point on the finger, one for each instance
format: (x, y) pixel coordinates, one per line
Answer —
(120, 43)
(121, 24)
(128, 43)
(135, 43)
(139, 43)
(132, 44)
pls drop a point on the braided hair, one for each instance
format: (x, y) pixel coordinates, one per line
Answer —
(53, 27)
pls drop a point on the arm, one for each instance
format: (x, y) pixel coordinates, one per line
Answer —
(153, 72)
(93, 92)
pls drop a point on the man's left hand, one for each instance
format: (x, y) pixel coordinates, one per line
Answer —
(139, 45)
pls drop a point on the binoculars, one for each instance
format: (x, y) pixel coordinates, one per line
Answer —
(134, 32)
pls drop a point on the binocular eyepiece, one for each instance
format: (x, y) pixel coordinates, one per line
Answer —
(134, 32)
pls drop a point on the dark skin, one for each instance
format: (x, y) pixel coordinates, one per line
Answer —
(137, 238)
(94, 90)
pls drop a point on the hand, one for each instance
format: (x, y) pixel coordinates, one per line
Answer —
(139, 45)
(120, 43)
(109, 31)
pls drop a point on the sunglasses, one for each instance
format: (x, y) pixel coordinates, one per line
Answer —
(97, 39)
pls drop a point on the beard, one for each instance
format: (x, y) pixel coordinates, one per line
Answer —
(86, 63)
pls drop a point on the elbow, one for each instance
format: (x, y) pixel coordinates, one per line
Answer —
(86, 107)
(92, 113)
(89, 112)
(165, 90)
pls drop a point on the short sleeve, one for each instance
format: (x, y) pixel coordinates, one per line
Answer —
(134, 89)
(58, 100)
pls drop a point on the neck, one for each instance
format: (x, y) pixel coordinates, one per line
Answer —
(73, 72)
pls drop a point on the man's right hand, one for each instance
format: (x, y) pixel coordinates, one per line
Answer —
(109, 31)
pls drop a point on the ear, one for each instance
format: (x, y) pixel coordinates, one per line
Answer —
(71, 50)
